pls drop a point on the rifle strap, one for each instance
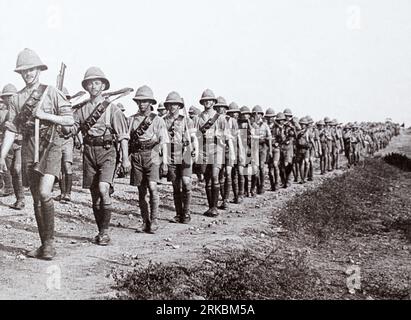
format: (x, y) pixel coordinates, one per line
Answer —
(144, 125)
(209, 123)
(179, 118)
(36, 99)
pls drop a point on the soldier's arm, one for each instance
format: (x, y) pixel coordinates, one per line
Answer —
(11, 131)
(64, 113)
(269, 140)
(164, 139)
(120, 126)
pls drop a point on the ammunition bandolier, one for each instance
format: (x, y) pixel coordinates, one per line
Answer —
(135, 143)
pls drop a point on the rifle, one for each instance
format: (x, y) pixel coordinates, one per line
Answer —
(121, 93)
(77, 95)
(60, 81)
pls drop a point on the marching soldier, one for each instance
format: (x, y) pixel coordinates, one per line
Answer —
(247, 167)
(286, 134)
(292, 122)
(347, 133)
(329, 139)
(274, 157)
(193, 113)
(323, 141)
(101, 123)
(211, 125)
(161, 110)
(313, 147)
(66, 176)
(41, 162)
(337, 144)
(183, 147)
(148, 139)
(231, 133)
(303, 142)
(263, 134)
(13, 160)
(5, 177)
(237, 178)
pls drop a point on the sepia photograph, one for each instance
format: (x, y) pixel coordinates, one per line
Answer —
(205, 156)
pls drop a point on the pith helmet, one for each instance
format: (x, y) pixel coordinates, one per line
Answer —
(95, 73)
(327, 120)
(280, 116)
(233, 107)
(174, 98)
(145, 93)
(270, 113)
(193, 110)
(221, 103)
(161, 106)
(258, 109)
(288, 112)
(309, 119)
(8, 90)
(304, 120)
(245, 110)
(321, 123)
(208, 95)
(334, 122)
(28, 59)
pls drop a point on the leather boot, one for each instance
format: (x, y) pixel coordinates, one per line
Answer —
(68, 185)
(246, 188)
(234, 184)
(310, 171)
(240, 188)
(97, 216)
(186, 217)
(178, 204)
(271, 177)
(288, 171)
(215, 192)
(37, 253)
(253, 185)
(227, 185)
(62, 186)
(47, 210)
(154, 204)
(144, 214)
(105, 224)
(7, 186)
(18, 191)
(209, 199)
(277, 178)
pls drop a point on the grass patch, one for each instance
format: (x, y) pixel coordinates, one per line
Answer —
(229, 275)
(352, 204)
(400, 161)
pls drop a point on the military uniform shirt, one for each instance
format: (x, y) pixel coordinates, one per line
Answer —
(54, 102)
(177, 126)
(156, 132)
(117, 120)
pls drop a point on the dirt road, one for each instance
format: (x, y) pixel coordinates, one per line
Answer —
(80, 270)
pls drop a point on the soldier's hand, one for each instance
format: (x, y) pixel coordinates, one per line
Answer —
(39, 113)
(164, 168)
(126, 165)
(3, 166)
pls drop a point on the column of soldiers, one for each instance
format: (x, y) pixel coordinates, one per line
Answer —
(229, 149)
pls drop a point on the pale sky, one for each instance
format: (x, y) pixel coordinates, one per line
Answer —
(349, 60)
